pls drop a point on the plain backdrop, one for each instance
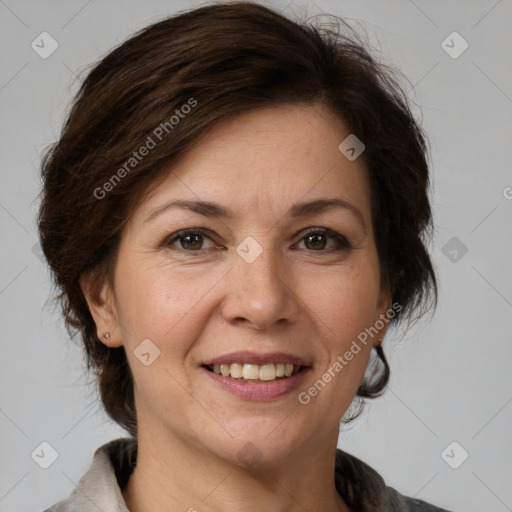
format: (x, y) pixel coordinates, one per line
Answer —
(451, 379)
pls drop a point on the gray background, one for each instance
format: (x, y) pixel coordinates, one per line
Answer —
(451, 378)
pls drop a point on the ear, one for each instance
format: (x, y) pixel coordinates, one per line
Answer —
(99, 296)
(384, 315)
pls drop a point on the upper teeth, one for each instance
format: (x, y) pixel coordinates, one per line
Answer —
(255, 371)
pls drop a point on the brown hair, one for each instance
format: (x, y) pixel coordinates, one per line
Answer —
(220, 60)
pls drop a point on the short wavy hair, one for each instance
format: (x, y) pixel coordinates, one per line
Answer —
(230, 58)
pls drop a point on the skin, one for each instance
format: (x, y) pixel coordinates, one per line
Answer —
(298, 297)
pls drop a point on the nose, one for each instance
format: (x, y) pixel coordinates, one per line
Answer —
(261, 293)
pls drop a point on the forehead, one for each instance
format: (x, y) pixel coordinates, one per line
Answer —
(265, 160)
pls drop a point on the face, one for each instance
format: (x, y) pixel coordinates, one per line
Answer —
(256, 273)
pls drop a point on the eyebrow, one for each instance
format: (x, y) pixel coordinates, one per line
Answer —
(215, 210)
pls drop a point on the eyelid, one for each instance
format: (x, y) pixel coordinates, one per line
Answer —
(169, 240)
(341, 239)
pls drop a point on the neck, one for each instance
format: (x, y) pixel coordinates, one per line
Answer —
(173, 474)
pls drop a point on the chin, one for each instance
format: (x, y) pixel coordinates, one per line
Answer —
(259, 444)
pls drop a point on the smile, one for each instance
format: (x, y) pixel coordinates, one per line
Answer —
(255, 372)
(271, 387)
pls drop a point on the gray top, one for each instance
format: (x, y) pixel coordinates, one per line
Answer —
(362, 488)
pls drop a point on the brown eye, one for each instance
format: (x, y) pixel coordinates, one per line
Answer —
(315, 241)
(191, 240)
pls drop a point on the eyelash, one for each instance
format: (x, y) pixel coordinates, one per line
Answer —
(342, 241)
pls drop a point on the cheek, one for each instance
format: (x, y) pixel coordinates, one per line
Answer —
(344, 302)
(162, 304)
(154, 304)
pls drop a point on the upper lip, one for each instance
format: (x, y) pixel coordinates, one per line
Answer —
(245, 357)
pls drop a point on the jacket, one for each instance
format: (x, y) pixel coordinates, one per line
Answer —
(362, 488)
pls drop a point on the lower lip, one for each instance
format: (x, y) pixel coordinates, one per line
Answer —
(259, 390)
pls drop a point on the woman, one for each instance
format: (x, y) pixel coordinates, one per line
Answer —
(225, 215)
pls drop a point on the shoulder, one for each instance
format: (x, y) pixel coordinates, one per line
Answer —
(413, 504)
(100, 487)
(365, 490)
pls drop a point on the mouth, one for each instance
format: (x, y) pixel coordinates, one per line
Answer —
(266, 382)
(257, 376)
(245, 372)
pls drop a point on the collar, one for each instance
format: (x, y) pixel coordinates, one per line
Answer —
(362, 488)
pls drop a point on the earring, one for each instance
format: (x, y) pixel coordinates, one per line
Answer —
(106, 335)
